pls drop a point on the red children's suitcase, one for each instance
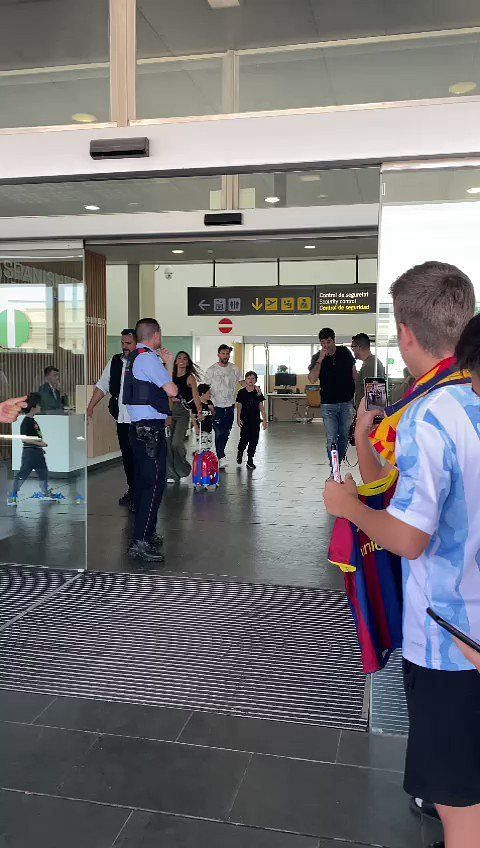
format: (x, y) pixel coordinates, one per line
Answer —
(205, 468)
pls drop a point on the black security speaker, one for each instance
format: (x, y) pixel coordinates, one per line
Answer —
(222, 219)
(119, 148)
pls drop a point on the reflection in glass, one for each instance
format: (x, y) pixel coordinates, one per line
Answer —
(43, 454)
(427, 213)
(54, 63)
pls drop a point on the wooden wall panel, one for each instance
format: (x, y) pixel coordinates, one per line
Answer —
(96, 308)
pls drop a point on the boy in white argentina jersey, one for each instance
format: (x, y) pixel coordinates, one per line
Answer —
(432, 522)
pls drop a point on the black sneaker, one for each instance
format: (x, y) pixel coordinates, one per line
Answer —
(145, 552)
(423, 808)
(239, 458)
(155, 541)
(126, 499)
(251, 465)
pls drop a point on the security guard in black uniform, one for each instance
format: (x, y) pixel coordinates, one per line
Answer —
(147, 386)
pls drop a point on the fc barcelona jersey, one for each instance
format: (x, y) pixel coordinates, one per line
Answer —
(373, 580)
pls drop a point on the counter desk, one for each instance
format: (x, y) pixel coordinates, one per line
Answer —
(65, 437)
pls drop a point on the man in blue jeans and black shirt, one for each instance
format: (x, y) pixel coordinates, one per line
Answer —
(334, 367)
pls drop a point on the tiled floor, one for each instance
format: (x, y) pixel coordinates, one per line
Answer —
(88, 773)
(266, 526)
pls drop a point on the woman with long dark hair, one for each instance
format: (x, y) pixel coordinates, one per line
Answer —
(185, 375)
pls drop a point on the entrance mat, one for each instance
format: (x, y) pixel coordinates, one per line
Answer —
(271, 652)
(22, 586)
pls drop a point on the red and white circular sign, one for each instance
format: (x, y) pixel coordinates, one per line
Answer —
(225, 325)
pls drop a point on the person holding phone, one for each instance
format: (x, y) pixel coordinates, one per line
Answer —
(371, 366)
(432, 523)
(334, 367)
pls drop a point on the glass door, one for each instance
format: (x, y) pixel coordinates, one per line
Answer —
(43, 455)
(428, 211)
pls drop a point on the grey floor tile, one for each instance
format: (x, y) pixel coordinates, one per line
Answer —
(33, 821)
(38, 758)
(158, 776)
(22, 706)
(373, 750)
(432, 831)
(152, 830)
(122, 719)
(334, 801)
(266, 737)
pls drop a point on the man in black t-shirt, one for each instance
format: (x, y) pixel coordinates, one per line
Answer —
(250, 406)
(334, 367)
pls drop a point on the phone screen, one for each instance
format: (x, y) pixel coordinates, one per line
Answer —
(375, 393)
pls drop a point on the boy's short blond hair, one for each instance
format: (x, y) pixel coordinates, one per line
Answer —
(436, 301)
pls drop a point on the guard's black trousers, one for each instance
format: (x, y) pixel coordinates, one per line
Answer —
(123, 434)
(149, 481)
(249, 435)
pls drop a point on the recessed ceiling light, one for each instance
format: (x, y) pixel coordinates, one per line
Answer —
(223, 4)
(84, 118)
(309, 246)
(322, 195)
(209, 251)
(91, 207)
(133, 203)
(462, 87)
(272, 199)
(310, 178)
(473, 190)
(178, 251)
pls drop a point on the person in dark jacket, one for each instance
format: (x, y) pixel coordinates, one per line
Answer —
(111, 382)
(51, 399)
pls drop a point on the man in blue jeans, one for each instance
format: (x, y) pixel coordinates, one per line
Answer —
(334, 367)
(223, 379)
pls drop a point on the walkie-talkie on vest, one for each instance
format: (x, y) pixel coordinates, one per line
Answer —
(335, 464)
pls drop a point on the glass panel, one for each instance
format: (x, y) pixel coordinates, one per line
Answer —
(173, 89)
(54, 66)
(105, 197)
(43, 454)
(427, 213)
(371, 72)
(334, 187)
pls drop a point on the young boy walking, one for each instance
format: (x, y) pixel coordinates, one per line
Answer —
(250, 409)
(432, 523)
(33, 454)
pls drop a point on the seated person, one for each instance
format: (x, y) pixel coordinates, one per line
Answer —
(50, 398)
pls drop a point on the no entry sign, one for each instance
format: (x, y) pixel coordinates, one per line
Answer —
(225, 325)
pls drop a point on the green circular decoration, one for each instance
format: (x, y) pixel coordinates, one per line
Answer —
(390, 361)
(21, 329)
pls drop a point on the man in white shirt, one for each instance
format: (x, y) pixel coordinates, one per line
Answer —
(111, 382)
(223, 379)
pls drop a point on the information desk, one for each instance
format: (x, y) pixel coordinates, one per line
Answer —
(65, 437)
(290, 407)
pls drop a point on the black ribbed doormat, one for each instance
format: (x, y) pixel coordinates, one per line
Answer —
(259, 651)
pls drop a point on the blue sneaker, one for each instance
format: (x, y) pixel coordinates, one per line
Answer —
(56, 496)
(46, 497)
(12, 500)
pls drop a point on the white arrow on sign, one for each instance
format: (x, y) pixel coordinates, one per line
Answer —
(204, 305)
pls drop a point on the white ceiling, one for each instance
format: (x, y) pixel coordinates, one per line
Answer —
(49, 33)
(176, 27)
(234, 250)
(341, 187)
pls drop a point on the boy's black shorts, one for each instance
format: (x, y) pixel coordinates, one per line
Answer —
(443, 752)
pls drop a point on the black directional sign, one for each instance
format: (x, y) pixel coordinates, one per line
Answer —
(252, 300)
(347, 299)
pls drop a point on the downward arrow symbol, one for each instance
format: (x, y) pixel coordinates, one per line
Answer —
(257, 304)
